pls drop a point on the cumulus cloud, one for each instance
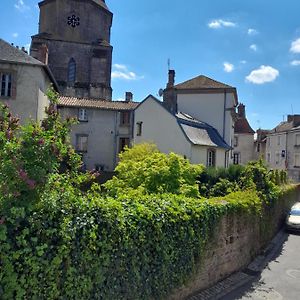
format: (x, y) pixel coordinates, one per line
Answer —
(295, 46)
(122, 72)
(215, 24)
(295, 63)
(252, 31)
(243, 62)
(15, 35)
(253, 47)
(228, 67)
(21, 6)
(262, 75)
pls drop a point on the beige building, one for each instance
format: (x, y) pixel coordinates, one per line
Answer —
(24, 82)
(180, 133)
(283, 147)
(207, 100)
(104, 128)
(243, 142)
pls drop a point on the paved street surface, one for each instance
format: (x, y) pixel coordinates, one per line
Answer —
(279, 280)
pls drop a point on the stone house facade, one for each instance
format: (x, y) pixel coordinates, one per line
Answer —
(24, 82)
(243, 142)
(104, 128)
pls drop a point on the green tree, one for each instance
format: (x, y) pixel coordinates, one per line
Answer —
(145, 170)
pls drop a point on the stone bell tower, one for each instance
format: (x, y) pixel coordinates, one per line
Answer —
(74, 39)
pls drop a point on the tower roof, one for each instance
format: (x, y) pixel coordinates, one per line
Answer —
(98, 2)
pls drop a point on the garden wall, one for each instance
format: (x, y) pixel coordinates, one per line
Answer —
(237, 240)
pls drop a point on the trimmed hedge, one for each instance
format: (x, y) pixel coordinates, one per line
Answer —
(74, 246)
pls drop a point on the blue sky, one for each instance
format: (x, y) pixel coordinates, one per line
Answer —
(253, 45)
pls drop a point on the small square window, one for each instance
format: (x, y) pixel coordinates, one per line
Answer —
(82, 115)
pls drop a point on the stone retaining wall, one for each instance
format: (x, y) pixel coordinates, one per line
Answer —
(237, 240)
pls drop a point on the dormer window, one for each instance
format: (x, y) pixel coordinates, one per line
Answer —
(6, 85)
(72, 70)
(82, 115)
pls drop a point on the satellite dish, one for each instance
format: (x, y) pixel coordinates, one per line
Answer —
(160, 92)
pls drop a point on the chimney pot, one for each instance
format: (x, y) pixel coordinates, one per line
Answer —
(241, 111)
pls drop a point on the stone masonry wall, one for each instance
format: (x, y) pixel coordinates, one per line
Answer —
(237, 240)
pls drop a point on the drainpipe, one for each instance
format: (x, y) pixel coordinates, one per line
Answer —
(224, 113)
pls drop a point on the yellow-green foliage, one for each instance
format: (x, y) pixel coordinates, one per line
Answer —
(146, 170)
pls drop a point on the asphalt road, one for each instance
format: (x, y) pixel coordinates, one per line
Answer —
(280, 279)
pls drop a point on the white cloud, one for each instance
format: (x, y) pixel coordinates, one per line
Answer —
(228, 67)
(295, 46)
(295, 63)
(21, 6)
(215, 24)
(243, 62)
(121, 72)
(252, 31)
(253, 47)
(15, 35)
(262, 75)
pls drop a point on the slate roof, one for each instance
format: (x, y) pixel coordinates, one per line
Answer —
(95, 103)
(242, 125)
(202, 82)
(9, 53)
(200, 133)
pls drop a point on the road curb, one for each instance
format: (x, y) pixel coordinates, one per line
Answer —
(239, 279)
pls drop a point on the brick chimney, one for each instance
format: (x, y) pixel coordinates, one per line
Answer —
(128, 97)
(295, 119)
(171, 80)
(40, 53)
(241, 111)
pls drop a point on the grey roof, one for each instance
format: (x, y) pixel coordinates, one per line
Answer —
(200, 133)
(9, 53)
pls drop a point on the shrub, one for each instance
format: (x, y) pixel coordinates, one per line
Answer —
(146, 170)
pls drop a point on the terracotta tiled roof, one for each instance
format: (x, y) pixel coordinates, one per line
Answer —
(94, 103)
(241, 125)
(202, 82)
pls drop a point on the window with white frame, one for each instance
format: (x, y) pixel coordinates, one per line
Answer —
(236, 158)
(235, 141)
(6, 85)
(268, 157)
(278, 140)
(211, 158)
(277, 158)
(82, 115)
(297, 139)
(82, 142)
(297, 160)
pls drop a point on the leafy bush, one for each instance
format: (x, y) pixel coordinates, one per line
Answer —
(146, 170)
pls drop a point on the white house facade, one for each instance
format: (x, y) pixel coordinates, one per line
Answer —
(283, 147)
(179, 133)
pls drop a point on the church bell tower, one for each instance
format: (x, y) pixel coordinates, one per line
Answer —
(74, 40)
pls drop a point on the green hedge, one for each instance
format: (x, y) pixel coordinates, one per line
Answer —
(90, 247)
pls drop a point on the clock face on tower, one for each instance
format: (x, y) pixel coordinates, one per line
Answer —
(73, 21)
